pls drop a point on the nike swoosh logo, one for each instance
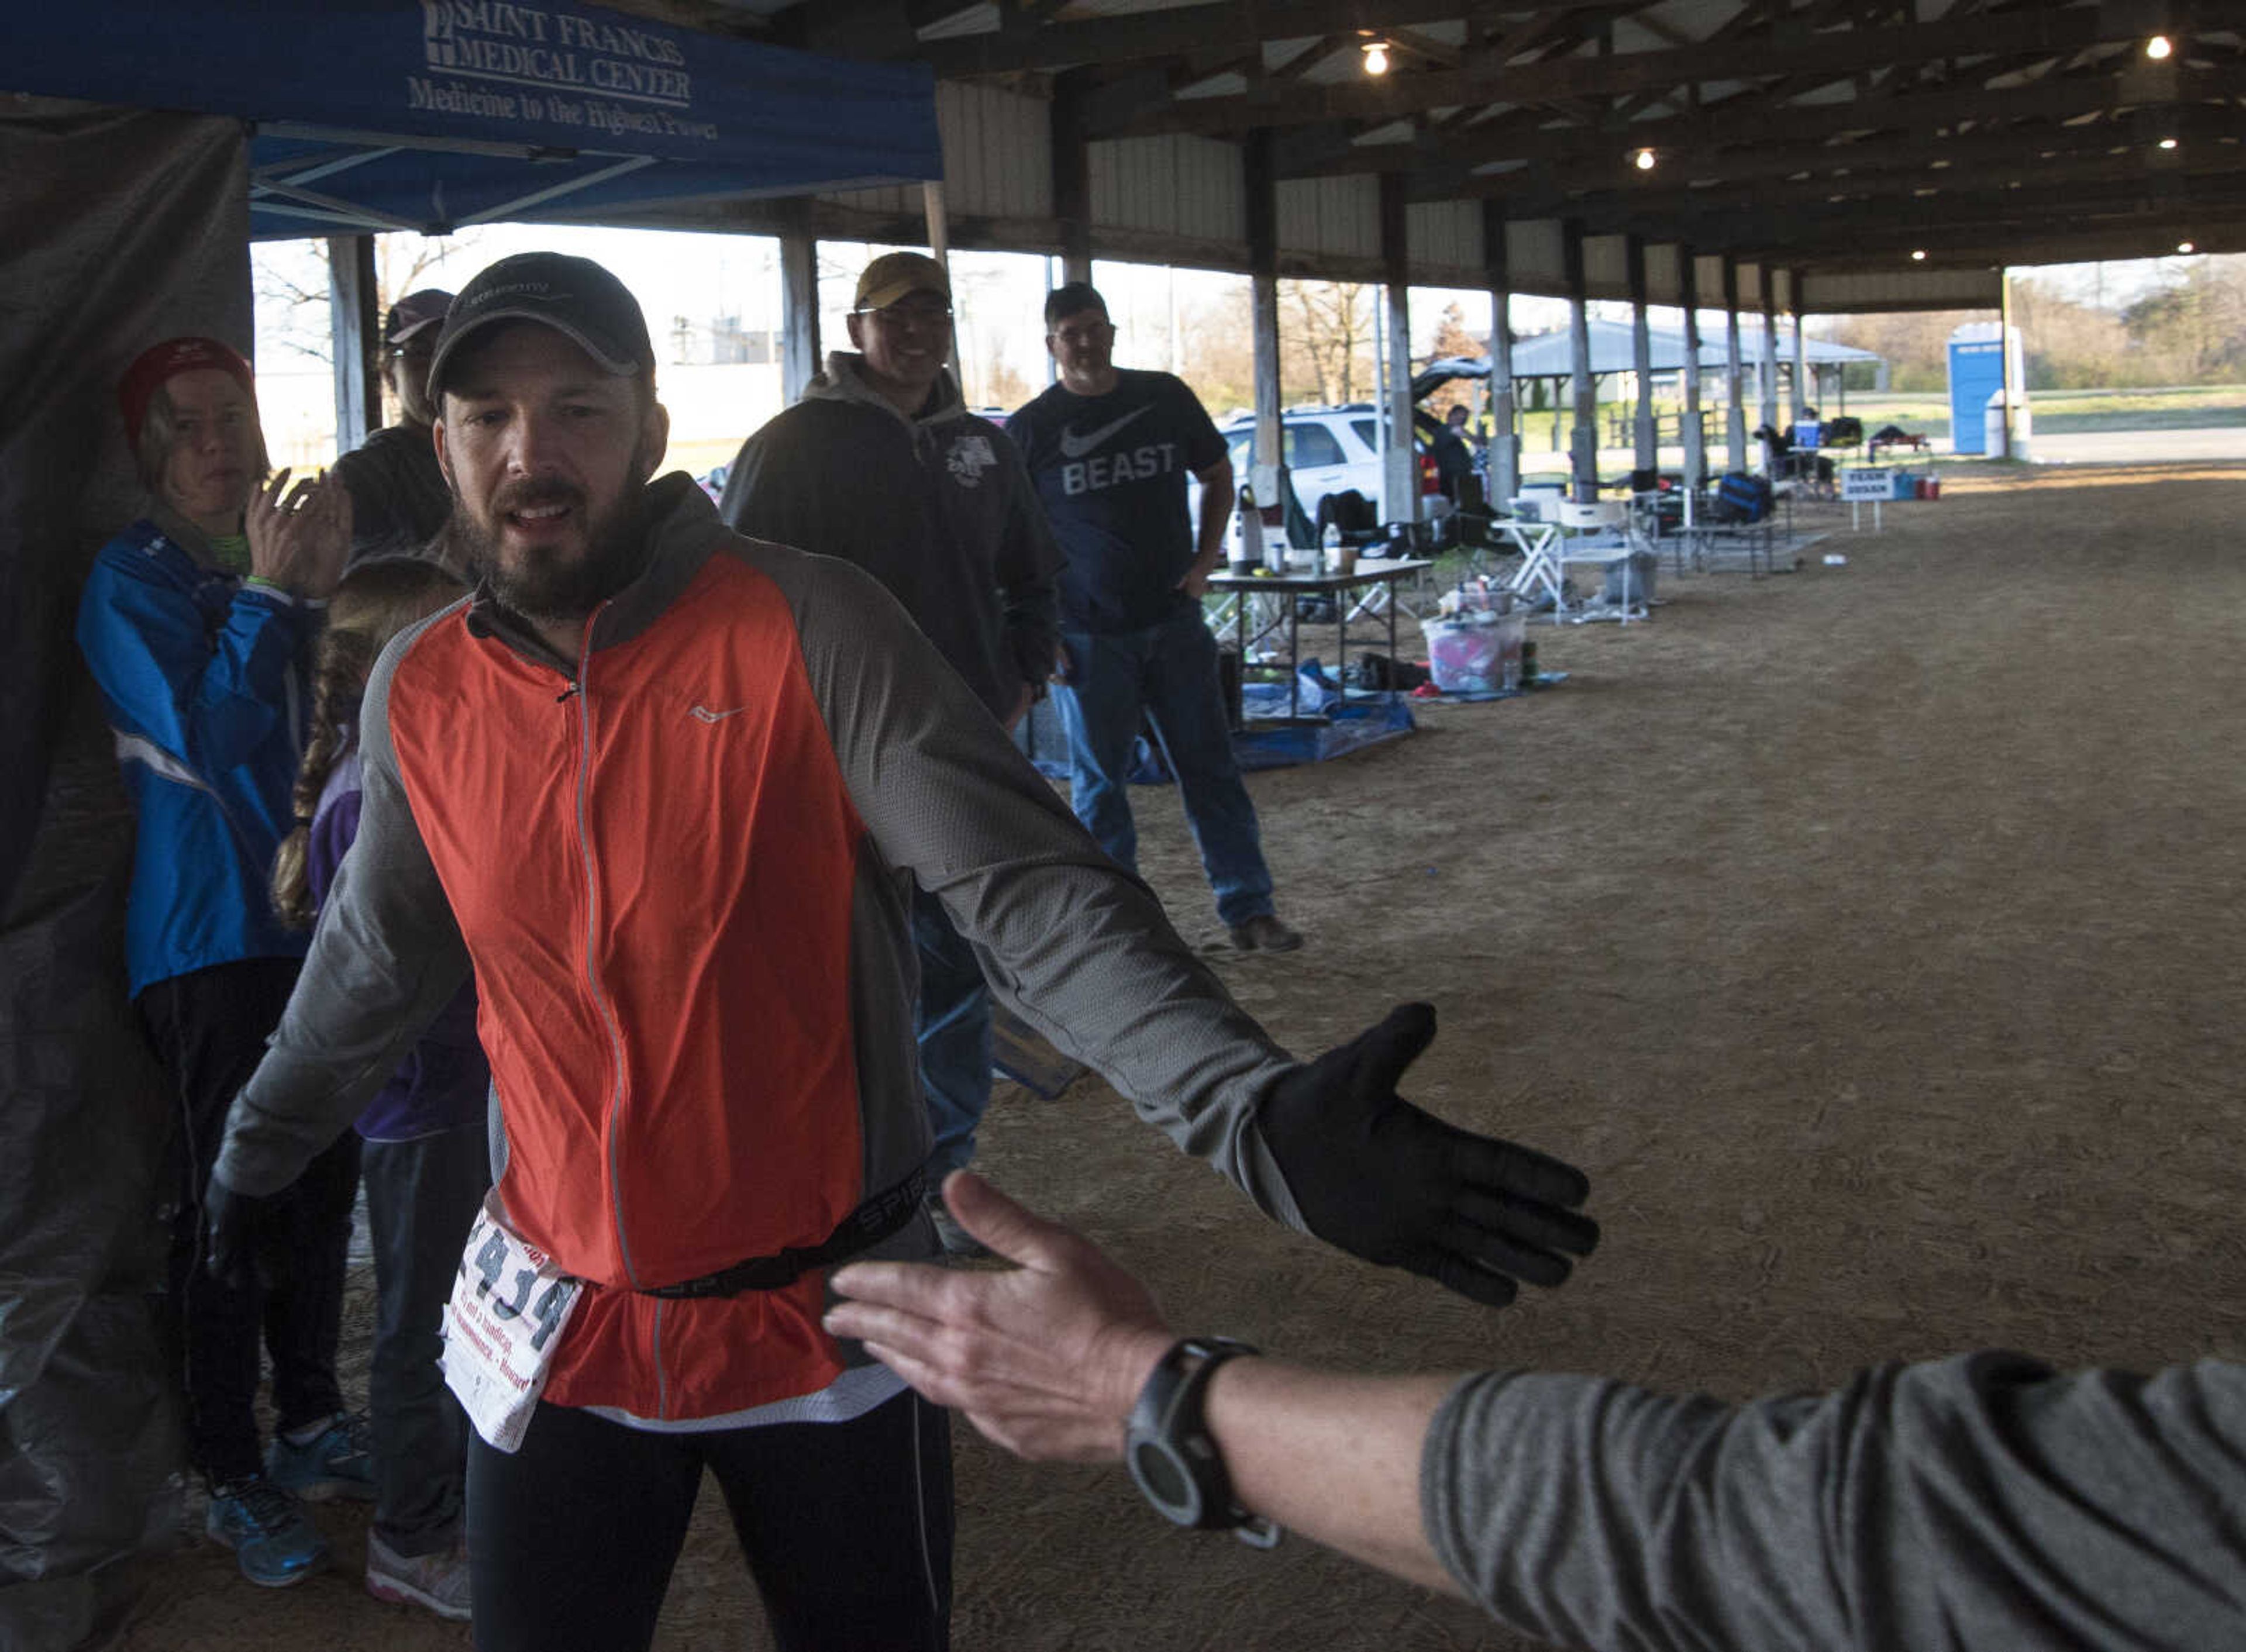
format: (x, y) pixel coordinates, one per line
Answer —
(704, 714)
(1075, 446)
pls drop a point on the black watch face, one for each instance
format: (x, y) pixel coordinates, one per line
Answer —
(1159, 1475)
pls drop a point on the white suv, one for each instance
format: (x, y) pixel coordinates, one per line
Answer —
(1330, 450)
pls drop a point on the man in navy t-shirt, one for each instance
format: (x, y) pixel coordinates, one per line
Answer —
(1110, 450)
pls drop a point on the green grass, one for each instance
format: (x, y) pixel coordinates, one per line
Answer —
(2189, 407)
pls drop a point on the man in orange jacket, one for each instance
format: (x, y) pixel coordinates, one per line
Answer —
(666, 790)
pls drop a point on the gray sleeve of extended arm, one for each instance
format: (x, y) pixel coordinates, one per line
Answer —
(1076, 946)
(1979, 1501)
(386, 957)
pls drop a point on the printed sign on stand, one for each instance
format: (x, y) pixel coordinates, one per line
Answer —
(1862, 488)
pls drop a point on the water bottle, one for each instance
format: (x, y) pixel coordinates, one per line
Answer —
(1330, 549)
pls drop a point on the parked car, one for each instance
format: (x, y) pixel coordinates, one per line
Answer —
(1334, 449)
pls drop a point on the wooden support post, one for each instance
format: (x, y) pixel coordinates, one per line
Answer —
(1071, 180)
(1260, 176)
(1805, 387)
(800, 360)
(356, 328)
(1646, 449)
(1504, 437)
(1696, 456)
(1583, 396)
(1400, 482)
(1735, 410)
(2004, 356)
(938, 220)
(1771, 413)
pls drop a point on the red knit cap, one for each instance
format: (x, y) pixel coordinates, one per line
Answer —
(167, 360)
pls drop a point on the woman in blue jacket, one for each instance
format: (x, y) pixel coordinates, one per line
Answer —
(199, 621)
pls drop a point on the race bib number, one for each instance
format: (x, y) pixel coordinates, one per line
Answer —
(509, 1303)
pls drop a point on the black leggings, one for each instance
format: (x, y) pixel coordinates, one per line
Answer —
(846, 1526)
(209, 1028)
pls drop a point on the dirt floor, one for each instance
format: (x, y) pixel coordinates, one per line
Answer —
(1870, 934)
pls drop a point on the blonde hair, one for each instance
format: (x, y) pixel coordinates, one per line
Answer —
(375, 601)
(160, 430)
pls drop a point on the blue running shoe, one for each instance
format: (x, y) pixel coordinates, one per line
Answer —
(266, 1529)
(338, 1461)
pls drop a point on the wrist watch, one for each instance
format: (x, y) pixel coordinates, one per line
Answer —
(1170, 1453)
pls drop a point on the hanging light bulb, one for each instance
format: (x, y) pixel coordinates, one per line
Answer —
(1644, 161)
(2186, 247)
(2168, 143)
(1376, 57)
(2159, 47)
(1918, 256)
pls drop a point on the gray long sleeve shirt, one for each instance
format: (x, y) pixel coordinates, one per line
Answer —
(1981, 1502)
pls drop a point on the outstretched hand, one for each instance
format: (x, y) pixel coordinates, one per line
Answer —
(1046, 1358)
(300, 537)
(1375, 1176)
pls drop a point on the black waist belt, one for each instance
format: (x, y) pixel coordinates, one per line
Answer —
(871, 1222)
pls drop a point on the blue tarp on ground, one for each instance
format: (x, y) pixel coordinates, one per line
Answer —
(1269, 741)
(430, 114)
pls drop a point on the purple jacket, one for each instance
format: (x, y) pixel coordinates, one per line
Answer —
(444, 1081)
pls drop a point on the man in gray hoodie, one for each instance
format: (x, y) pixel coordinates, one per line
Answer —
(882, 464)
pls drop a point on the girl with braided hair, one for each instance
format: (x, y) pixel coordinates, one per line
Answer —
(425, 1157)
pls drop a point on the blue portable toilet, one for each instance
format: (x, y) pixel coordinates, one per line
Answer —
(1976, 372)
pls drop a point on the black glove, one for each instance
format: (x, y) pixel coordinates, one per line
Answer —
(230, 1224)
(1377, 1177)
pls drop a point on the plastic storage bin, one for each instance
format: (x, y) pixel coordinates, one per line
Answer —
(1477, 651)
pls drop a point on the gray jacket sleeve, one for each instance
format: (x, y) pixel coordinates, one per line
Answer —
(386, 957)
(1075, 945)
(1978, 1501)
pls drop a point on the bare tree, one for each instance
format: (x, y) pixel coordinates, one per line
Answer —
(289, 279)
(1336, 327)
(1217, 352)
(1451, 339)
(2193, 331)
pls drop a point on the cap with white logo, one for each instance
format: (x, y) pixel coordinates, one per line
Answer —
(574, 296)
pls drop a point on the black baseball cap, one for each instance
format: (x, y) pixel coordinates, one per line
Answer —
(574, 296)
(415, 314)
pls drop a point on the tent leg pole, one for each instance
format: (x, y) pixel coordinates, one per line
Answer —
(355, 328)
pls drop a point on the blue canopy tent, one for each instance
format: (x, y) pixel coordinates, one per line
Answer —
(429, 115)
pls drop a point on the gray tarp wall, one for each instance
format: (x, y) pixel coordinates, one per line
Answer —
(117, 229)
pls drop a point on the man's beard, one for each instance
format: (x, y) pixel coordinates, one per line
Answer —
(546, 589)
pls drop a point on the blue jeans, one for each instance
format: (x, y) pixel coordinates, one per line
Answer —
(1168, 671)
(953, 1023)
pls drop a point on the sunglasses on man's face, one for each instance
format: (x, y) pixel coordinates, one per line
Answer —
(910, 315)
